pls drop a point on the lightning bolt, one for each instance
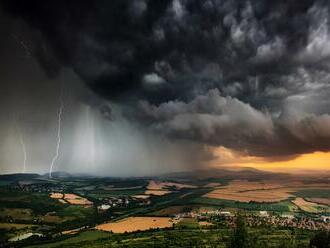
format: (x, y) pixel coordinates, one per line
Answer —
(58, 144)
(22, 143)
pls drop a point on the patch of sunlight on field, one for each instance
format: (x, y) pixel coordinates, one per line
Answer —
(246, 191)
(133, 224)
(307, 206)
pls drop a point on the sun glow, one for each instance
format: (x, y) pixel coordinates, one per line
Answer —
(304, 162)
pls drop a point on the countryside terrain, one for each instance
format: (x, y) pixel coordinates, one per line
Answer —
(198, 209)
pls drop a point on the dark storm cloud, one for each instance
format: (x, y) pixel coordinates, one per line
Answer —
(226, 121)
(248, 75)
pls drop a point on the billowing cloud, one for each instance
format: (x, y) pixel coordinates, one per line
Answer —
(226, 121)
(252, 76)
(152, 79)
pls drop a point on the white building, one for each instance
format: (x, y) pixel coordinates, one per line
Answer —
(263, 214)
(104, 207)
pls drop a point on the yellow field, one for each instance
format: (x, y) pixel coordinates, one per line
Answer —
(306, 206)
(157, 192)
(245, 191)
(71, 198)
(56, 195)
(324, 201)
(161, 188)
(205, 223)
(77, 200)
(271, 191)
(141, 196)
(133, 224)
(156, 185)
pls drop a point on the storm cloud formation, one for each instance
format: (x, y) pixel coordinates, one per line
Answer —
(253, 76)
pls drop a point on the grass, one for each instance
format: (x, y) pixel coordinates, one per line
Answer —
(9, 226)
(178, 237)
(310, 207)
(39, 203)
(17, 214)
(75, 211)
(313, 193)
(172, 210)
(188, 223)
(284, 206)
(185, 234)
(113, 193)
(82, 237)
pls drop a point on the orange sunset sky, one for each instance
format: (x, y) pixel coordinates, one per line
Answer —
(305, 162)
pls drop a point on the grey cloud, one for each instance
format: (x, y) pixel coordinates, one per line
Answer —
(226, 121)
(212, 119)
(270, 51)
(242, 74)
(152, 79)
(138, 8)
(318, 44)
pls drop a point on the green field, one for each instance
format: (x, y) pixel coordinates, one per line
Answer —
(182, 236)
(99, 194)
(39, 203)
(313, 193)
(284, 206)
(27, 211)
(83, 237)
(188, 223)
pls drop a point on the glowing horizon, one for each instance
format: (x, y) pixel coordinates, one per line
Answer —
(318, 161)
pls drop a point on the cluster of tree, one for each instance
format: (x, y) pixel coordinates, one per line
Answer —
(241, 238)
(320, 240)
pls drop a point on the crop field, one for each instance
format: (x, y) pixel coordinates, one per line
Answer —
(77, 200)
(283, 206)
(315, 193)
(266, 192)
(75, 212)
(188, 223)
(309, 207)
(246, 191)
(15, 226)
(133, 224)
(39, 203)
(183, 216)
(180, 237)
(56, 195)
(99, 194)
(172, 210)
(162, 188)
(322, 201)
(80, 239)
(160, 185)
(17, 214)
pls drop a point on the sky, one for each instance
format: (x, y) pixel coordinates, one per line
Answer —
(143, 87)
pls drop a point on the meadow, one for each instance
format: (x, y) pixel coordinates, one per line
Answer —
(65, 211)
(182, 236)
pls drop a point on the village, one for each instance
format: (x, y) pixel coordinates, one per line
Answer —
(261, 218)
